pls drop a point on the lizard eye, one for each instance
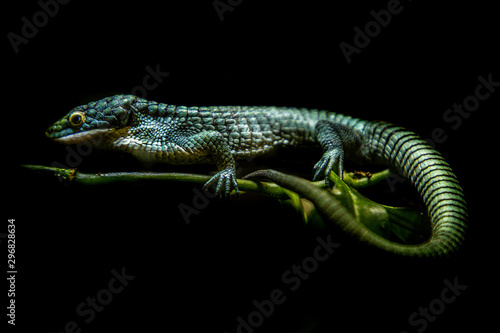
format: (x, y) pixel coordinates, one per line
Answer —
(77, 118)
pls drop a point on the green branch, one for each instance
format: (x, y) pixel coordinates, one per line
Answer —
(74, 176)
(405, 224)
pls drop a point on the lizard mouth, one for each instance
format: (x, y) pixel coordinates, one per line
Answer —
(94, 136)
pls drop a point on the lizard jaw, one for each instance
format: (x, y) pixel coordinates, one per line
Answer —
(95, 135)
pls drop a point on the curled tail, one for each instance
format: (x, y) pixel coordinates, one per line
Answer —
(423, 166)
(434, 180)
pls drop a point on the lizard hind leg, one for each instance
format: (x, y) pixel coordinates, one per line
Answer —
(335, 139)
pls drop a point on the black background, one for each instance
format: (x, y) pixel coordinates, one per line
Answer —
(202, 276)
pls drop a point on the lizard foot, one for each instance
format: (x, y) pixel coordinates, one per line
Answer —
(226, 182)
(326, 164)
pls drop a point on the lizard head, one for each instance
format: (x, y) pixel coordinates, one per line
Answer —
(91, 121)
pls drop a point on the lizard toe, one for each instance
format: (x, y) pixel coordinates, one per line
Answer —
(226, 182)
(326, 165)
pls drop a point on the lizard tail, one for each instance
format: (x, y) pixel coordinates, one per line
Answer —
(427, 171)
(434, 180)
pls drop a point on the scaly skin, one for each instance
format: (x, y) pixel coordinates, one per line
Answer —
(158, 132)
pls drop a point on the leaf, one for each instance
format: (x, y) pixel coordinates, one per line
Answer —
(305, 208)
(409, 225)
(394, 223)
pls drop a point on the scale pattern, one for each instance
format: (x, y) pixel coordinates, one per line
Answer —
(158, 132)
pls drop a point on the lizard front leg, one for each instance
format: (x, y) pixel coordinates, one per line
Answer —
(335, 139)
(213, 144)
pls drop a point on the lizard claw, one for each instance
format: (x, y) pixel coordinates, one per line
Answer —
(226, 182)
(326, 164)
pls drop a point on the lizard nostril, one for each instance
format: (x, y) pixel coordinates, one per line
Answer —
(50, 131)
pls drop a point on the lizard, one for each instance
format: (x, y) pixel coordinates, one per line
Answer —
(159, 132)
